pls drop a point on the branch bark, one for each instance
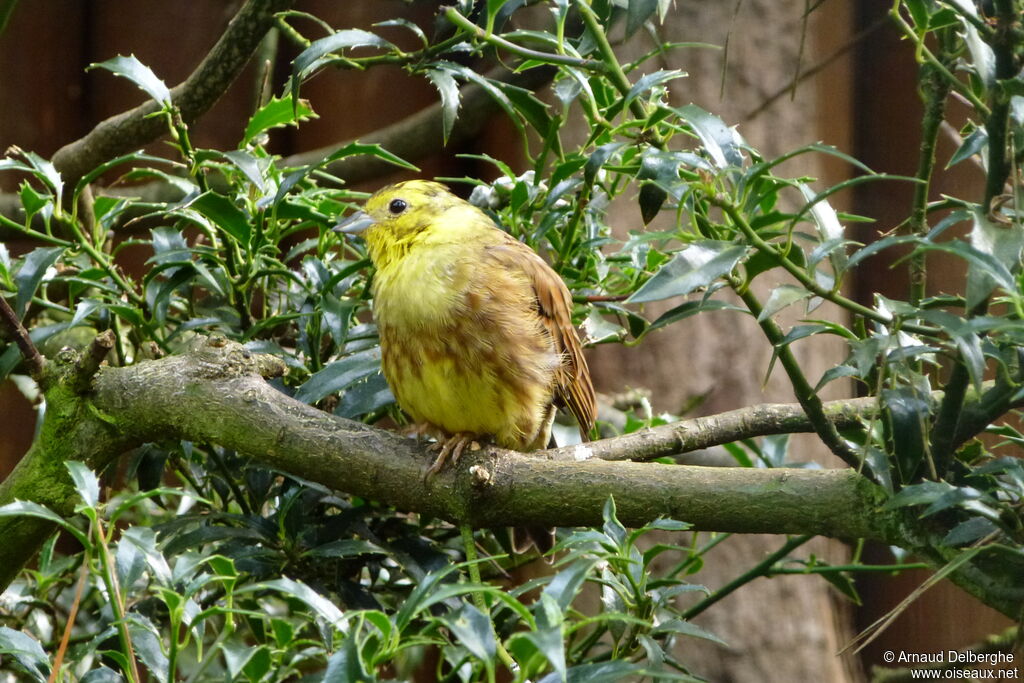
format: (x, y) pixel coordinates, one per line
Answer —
(216, 393)
(10, 320)
(713, 430)
(228, 403)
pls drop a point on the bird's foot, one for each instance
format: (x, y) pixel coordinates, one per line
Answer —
(423, 430)
(451, 448)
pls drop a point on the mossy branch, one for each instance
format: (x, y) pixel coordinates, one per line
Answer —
(226, 402)
(216, 393)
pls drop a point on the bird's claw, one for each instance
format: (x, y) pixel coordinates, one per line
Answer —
(451, 448)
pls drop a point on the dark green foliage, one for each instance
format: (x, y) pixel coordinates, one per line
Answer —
(240, 573)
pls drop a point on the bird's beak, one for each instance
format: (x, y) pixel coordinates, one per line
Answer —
(354, 224)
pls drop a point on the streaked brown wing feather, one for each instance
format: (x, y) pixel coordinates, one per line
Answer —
(573, 387)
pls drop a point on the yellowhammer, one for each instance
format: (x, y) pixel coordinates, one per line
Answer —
(476, 330)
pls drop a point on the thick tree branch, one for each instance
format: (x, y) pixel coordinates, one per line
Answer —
(130, 130)
(492, 487)
(215, 393)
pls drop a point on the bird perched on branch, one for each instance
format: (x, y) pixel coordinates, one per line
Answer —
(475, 328)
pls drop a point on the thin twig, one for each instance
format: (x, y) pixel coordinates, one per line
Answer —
(762, 568)
(686, 436)
(117, 604)
(802, 76)
(90, 361)
(805, 280)
(805, 393)
(35, 361)
(925, 55)
(419, 135)
(58, 658)
(864, 638)
(465, 24)
(613, 70)
(763, 419)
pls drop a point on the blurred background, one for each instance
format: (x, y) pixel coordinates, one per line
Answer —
(838, 75)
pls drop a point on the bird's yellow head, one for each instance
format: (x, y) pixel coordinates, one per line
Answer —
(398, 215)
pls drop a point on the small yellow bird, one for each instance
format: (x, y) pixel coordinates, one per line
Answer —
(475, 328)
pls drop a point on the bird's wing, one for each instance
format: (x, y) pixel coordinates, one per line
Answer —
(554, 306)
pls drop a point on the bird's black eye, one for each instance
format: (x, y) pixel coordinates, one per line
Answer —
(397, 206)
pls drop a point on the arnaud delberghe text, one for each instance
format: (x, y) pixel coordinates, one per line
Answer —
(955, 657)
